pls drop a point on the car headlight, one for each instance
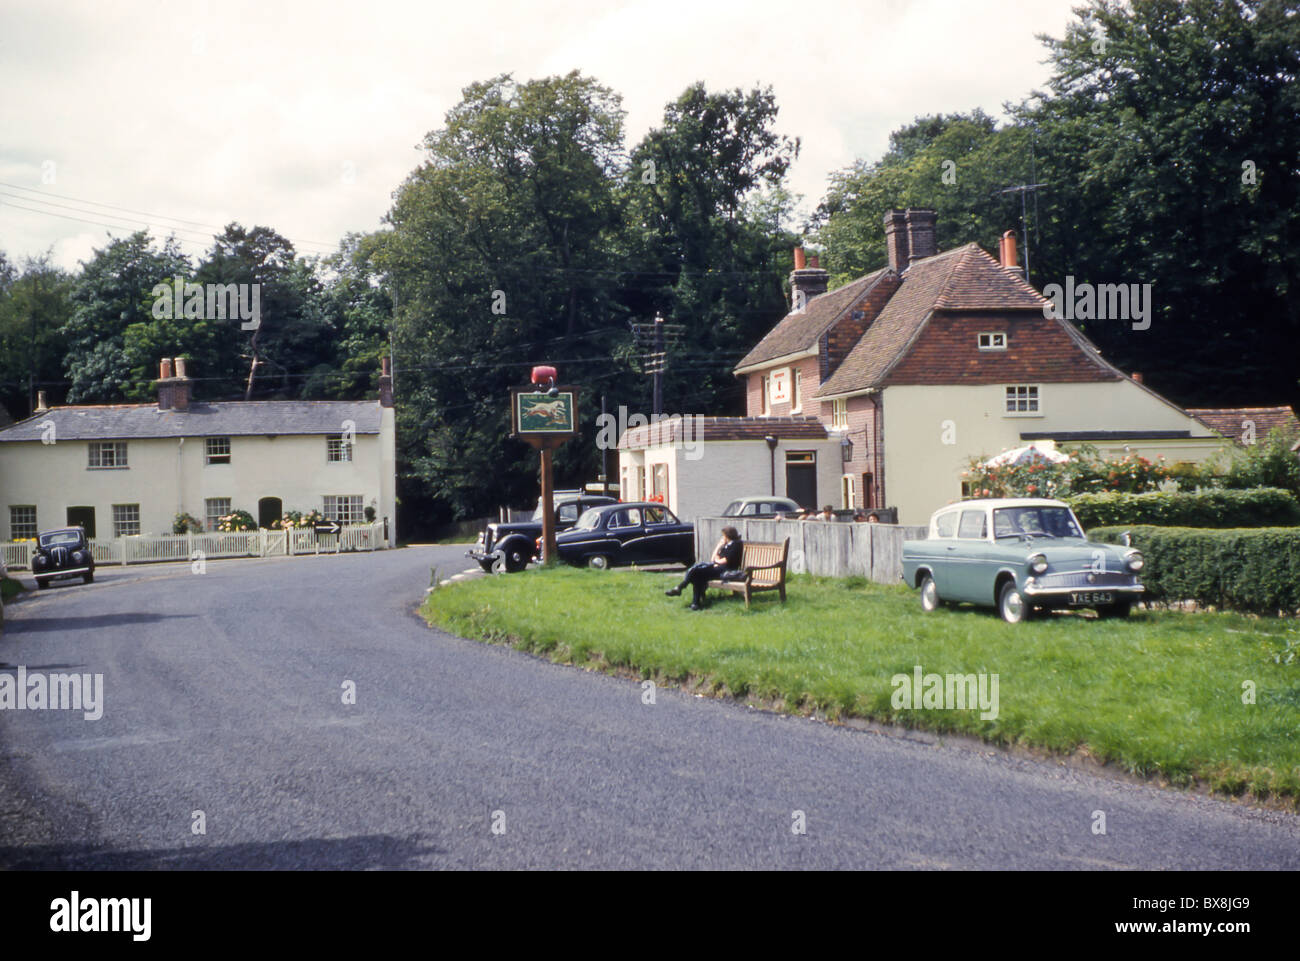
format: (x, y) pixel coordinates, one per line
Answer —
(40, 560)
(1038, 564)
(1134, 561)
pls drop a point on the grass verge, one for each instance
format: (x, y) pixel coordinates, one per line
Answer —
(1162, 694)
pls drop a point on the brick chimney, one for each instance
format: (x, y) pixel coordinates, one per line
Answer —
(385, 385)
(921, 241)
(811, 280)
(173, 391)
(896, 239)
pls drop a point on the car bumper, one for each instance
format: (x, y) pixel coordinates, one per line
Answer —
(482, 555)
(1081, 596)
(64, 572)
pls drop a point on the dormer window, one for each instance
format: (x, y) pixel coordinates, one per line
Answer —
(993, 341)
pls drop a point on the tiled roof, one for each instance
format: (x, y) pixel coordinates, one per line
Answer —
(228, 418)
(670, 430)
(963, 279)
(798, 332)
(1229, 421)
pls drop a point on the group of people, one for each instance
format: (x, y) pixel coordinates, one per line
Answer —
(725, 563)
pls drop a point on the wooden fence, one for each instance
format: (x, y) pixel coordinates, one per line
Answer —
(183, 547)
(827, 548)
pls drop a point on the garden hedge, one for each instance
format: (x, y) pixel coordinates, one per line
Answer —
(1256, 507)
(1256, 570)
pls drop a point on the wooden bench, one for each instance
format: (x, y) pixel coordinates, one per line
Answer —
(764, 567)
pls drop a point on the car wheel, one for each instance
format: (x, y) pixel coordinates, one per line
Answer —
(488, 564)
(599, 561)
(515, 559)
(1012, 605)
(929, 594)
(88, 577)
(42, 583)
(1117, 610)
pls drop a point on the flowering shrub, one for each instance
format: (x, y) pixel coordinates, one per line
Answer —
(184, 523)
(655, 499)
(236, 521)
(294, 519)
(1085, 472)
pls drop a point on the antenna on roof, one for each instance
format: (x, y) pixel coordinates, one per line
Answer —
(1023, 189)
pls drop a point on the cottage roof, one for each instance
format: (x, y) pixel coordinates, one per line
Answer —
(1230, 421)
(220, 419)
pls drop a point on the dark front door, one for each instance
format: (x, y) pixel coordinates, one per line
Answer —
(869, 491)
(83, 517)
(269, 510)
(801, 478)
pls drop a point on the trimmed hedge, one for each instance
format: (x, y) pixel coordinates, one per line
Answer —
(1256, 570)
(1257, 507)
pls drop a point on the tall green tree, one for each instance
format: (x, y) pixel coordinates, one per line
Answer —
(34, 305)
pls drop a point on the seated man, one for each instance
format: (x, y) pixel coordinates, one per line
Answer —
(828, 513)
(726, 557)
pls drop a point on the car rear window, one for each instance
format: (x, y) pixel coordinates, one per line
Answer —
(973, 524)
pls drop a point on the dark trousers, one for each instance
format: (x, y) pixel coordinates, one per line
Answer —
(698, 576)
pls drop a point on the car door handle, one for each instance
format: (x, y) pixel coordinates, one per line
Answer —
(952, 547)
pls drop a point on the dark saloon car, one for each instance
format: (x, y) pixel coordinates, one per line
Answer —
(623, 534)
(509, 545)
(762, 507)
(63, 552)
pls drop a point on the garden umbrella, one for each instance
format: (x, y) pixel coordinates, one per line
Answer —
(1030, 453)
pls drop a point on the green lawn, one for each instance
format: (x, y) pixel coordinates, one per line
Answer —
(1158, 694)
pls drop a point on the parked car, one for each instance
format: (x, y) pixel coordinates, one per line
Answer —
(761, 507)
(623, 534)
(509, 546)
(62, 552)
(1022, 556)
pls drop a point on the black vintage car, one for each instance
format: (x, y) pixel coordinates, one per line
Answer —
(623, 534)
(62, 552)
(509, 546)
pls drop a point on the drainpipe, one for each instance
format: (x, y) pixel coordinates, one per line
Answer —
(878, 445)
(180, 480)
(771, 455)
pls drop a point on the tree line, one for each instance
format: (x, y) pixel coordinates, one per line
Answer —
(1162, 151)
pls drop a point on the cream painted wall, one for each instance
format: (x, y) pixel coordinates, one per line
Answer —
(727, 470)
(922, 472)
(165, 476)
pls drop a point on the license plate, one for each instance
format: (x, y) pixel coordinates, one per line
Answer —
(1088, 598)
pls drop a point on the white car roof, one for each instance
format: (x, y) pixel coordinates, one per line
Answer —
(991, 503)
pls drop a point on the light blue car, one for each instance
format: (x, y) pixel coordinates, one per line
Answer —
(1022, 556)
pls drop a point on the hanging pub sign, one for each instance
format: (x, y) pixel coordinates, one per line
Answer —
(545, 414)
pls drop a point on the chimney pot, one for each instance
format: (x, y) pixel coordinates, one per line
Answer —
(180, 366)
(40, 402)
(165, 368)
(813, 262)
(799, 261)
(1007, 253)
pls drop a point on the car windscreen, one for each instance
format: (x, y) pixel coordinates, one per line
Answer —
(589, 520)
(1035, 522)
(60, 539)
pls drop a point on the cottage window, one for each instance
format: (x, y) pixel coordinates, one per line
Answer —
(1022, 399)
(338, 450)
(993, 341)
(765, 402)
(22, 522)
(345, 508)
(796, 395)
(660, 482)
(107, 455)
(126, 520)
(218, 450)
(215, 508)
(839, 414)
(848, 496)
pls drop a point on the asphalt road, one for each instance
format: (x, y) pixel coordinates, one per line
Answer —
(223, 693)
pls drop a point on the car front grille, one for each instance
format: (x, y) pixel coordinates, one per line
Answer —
(1085, 579)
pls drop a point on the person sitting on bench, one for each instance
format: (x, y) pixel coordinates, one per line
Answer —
(726, 557)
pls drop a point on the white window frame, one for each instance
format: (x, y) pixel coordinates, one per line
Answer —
(840, 414)
(212, 515)
(338, 450)
(1022, 400)
(116, 460)
(796, 394)
(18, 529)
(848, 492)
(766, 408)
(993, 340)
(126, 520)
(216, 450)
(346, 508)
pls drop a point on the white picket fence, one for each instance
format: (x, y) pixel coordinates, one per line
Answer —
(183, 547)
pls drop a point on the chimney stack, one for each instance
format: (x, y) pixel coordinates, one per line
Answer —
(385, 384)
(1007, 253)
(921, 241)
(808, 278)
(896, 240)
(173, 391)
(40, 403)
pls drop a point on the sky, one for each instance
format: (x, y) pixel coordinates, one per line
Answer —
(306, 116)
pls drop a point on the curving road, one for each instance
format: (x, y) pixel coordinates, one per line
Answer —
(223, 694)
